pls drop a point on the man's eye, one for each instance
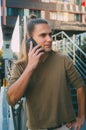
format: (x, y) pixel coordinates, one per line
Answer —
(43, 35)
(50, 34)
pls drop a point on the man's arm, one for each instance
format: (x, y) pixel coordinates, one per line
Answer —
(81, 109)
(18, 88)
(81, 102)
(78, 83)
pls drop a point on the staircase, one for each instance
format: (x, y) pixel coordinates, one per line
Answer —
(70, 47)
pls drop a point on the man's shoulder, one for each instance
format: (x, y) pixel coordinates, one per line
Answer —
(59, 54)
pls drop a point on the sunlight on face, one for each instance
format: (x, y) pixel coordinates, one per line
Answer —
(42, 35)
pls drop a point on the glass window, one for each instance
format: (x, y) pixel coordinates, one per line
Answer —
(63, 0)
(62, 16)
(15, 12)
(66, 16)
(43, 14)
(66, 0)
(57, 16)
(53, 1)
(78, 17)
(71, 17)
(70, 1)
(45, 1)
(85, 18)
(9, 11)
(7, 46)
(78, 2)
(53, 15)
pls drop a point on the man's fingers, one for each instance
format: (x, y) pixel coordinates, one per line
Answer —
(36, 47)
(40, 54)
(39, 50)
(31, 45)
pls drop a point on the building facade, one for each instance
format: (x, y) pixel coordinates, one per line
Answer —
(63, 15)
(67, 15)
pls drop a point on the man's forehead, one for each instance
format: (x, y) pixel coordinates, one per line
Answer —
(43, 28)
(49, 32)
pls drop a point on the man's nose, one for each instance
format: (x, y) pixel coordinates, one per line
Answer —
(49, 38)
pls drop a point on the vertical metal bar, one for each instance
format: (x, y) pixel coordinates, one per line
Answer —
(64, 45)
(74, 49)
(25, 27)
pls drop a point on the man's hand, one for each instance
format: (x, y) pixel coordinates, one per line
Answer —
(78, 123)
(81, 109)
(34, 56)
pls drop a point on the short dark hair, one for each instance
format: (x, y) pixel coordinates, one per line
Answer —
(31, 24)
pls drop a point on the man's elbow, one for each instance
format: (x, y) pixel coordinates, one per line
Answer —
(11, 99)
(81, 91)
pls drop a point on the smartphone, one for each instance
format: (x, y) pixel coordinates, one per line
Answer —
(29, 41)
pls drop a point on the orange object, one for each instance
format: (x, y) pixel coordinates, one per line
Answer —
(4, 82)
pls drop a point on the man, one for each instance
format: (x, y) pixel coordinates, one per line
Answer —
(42, 77)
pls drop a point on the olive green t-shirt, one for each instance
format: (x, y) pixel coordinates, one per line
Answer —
(48, 94)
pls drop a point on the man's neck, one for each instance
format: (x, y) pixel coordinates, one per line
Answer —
(44, 57)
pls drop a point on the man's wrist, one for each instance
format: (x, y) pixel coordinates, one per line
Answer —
(82, 117)
(29, 69)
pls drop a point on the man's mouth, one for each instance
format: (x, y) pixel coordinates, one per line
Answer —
(47, 46)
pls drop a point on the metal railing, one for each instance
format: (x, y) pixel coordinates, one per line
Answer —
(70, 47)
